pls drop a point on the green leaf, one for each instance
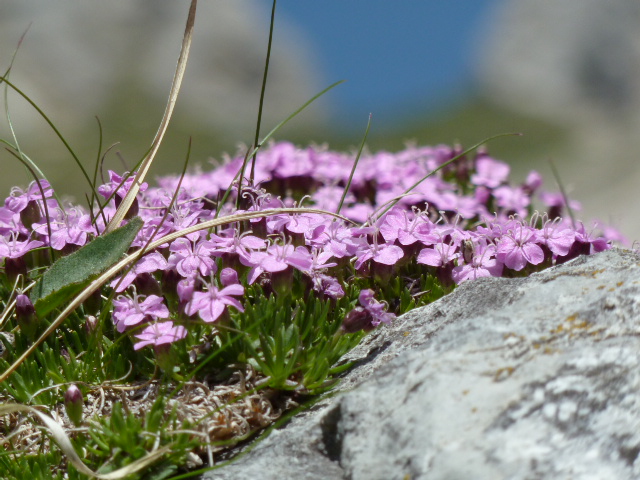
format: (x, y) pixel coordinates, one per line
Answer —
(70, 274)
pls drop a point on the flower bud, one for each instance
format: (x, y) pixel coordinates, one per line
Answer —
(133, 210)
(228, 276)
(90, 324)
(468, 250)
(26, 316)
(73, 403)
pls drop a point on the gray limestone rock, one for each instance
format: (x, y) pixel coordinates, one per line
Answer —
(503, 379)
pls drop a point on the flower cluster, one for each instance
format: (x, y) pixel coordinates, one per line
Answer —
(462, 223)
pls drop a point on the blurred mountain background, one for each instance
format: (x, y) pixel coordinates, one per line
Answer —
(566, 74)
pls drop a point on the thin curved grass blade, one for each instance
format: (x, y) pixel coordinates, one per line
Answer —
(173, 96)
(51, 125)
(274, 130)
(355, 165)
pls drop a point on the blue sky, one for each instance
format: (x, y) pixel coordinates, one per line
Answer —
(398, 56)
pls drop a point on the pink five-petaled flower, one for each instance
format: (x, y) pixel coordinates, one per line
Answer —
(128, 312)
(512, 199)
(518, 247)
(237, 244)
(190, 257)
(317, 260)
(71, 227)
(158, 334)
(591, 244)
(397, 225)
(276, 258)
(327, 285)
(385, 254)
(489, 172)
(482, 264)
(210, 304)
(19, 198)
(335, 238)
(558, 239)
(116, 184)
(438, 256)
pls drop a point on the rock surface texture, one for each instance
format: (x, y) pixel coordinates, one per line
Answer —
(503, 379)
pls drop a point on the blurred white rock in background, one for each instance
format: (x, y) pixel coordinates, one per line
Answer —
(576, 63)
(116, 59)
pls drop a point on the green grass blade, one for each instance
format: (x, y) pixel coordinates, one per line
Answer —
(51, 124)
(273, 131)
(355, 164)
(262, 90)
(563, 192)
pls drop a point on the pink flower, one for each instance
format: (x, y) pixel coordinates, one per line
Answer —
(19, 199)
(592, 243)
(190, 257)
(327, 285)
(336, 239)
(276, 259)
(71, 227)
(128, 312)
(512, 200)
(397, 226)
(518, 247)
(377, 310)
(116, 184)
(210, 304)
(558, 239)
(482, 264)
(439, 255)
(368, 316)
(489, 172)
(241, 245)
(147, 264)
(157, 334)
(385, 254)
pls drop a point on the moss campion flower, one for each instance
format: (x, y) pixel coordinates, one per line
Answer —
(129, 312)
(160, 334)
(210, 304)
(73, 403)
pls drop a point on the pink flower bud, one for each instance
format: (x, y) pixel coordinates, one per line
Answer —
(73, 403)
(26, 315)
(228, 276)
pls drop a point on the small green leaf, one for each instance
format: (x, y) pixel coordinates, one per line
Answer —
(70, 274)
